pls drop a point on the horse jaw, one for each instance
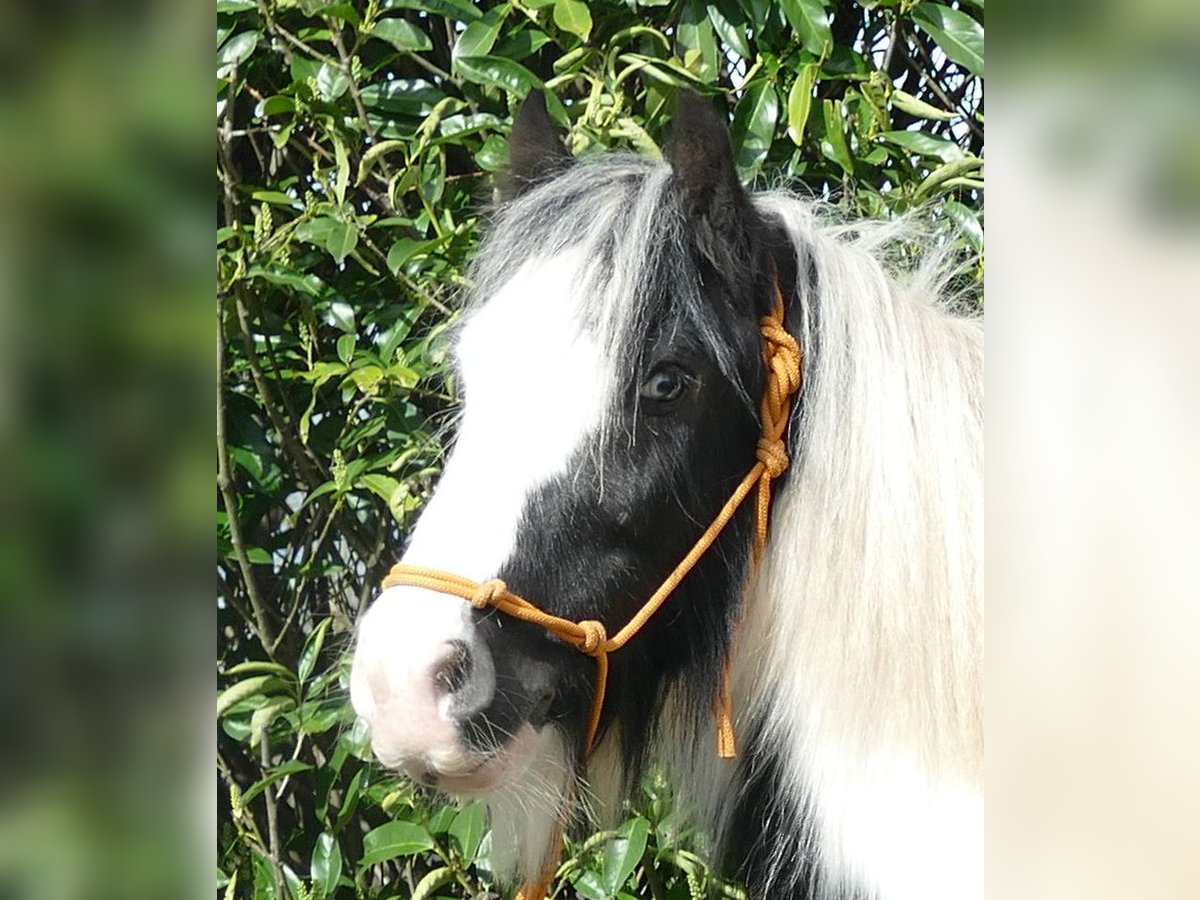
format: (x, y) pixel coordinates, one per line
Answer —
(526, 812)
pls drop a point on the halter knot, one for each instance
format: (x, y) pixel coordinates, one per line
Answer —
(772, 455)
(594, 637)
(488, 593)
(783, 355)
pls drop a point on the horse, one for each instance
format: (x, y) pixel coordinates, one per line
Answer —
(611, 360)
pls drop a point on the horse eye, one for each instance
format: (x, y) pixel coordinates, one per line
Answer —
(665, 384)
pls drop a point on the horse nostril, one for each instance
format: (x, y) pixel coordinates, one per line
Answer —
(452, 672)
(541, 708)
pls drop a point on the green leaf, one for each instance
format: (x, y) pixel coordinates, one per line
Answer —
(665, 71)
(264, 877)
(573, 16)
(623, 853)
(433, 176)
(235, 5)
(261, 718)
(373, 155)
(967, 220)
(402, 251)
(386, 488)
(811, 21)
(494, 70)
(303, 68)
(834, 145)
(524, 43)
(730, 23)
(237, 50)
(467, 123)
(342, 239)
(277, 198)
(259, 684)
(467, 829)
(758, 11)
(800, 99)
(316, 231)
(479, 37)
(340, 314)
(493, 155)
(316, 638)
(275, 105)
(923, 144)
(258, 556)
(439, 823)
(342, 169)
(402, 35)
(247, 460)
(845, 63)
(350, 799)
(462, 10)
(332, 82)
(695, 35)
(960, 36)
(326, 866)
(589, 885)
(945, 173)
(407, 96)
(291, 767)
(257, 665)
(916, 107)
(392, 840)
(438, 878)
(753, 127)
(344, 11)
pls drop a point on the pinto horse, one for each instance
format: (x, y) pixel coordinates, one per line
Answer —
(612, 365)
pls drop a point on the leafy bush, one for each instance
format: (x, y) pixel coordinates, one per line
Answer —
(356, 147)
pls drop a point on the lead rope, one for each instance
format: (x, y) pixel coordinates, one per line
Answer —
(782, 356)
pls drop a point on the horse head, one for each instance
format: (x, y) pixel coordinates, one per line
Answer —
(611, 365)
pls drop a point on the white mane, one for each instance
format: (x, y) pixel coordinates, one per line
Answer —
(862, 644)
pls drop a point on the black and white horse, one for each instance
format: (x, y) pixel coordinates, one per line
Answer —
(611, 365)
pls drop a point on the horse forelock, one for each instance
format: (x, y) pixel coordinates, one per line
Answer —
(620, 214)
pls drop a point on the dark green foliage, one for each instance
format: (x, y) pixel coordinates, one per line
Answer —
(357, 144)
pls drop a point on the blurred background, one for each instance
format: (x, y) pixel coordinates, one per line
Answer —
(109, 380)
(106, 385)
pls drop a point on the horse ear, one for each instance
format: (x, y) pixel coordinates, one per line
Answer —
(701, 156)
(535, 151)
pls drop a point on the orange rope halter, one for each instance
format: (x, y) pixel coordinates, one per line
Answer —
(782, 356)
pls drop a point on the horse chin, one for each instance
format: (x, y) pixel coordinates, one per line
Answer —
(469, 774)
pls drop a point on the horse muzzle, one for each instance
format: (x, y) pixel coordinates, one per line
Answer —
(425, 682)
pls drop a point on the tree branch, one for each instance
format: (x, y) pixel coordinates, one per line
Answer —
(262, 623)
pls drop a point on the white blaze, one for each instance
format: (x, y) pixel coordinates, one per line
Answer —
(535, 387)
